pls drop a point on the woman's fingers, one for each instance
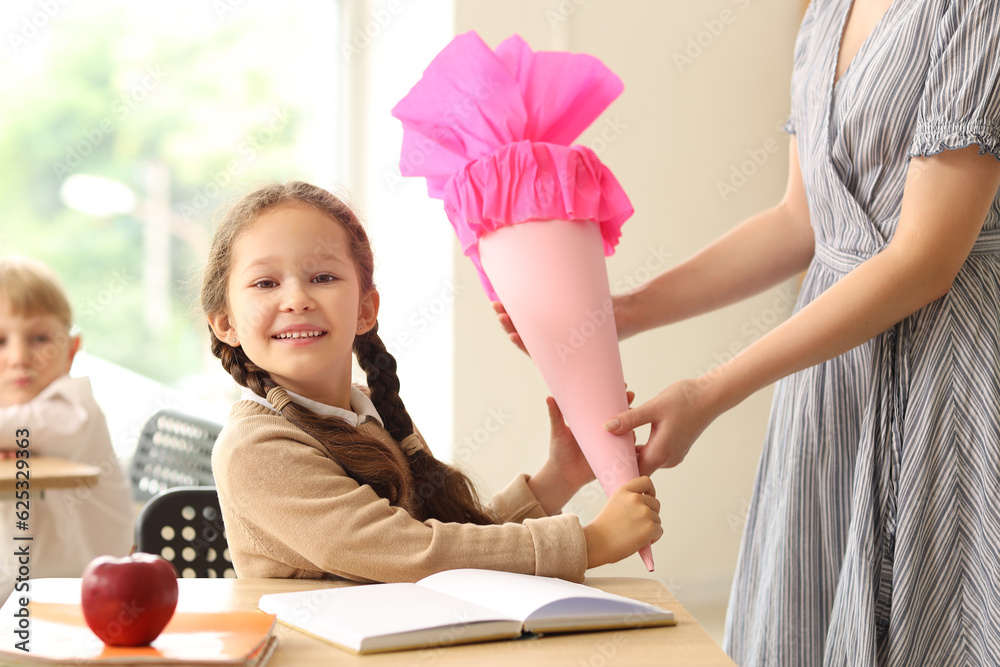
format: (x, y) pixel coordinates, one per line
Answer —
(629, 420)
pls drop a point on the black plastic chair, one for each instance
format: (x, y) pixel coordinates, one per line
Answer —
(184, 525)
(174, 449)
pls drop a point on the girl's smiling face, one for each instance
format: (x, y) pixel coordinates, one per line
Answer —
(295, 302)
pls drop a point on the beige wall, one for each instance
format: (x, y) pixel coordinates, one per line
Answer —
(691, 117)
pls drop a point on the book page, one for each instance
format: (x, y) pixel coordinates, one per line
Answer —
(545, 603)
(402, 615)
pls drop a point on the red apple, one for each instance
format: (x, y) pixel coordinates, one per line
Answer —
(128, 601)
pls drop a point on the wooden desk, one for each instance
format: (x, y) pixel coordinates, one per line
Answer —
(685, 644)
(47, 472)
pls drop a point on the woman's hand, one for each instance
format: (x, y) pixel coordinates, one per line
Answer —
(508, 325)
(629, 521)
(678, 414)
(566, 469)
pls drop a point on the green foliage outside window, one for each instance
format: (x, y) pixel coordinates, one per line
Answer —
(186, 105)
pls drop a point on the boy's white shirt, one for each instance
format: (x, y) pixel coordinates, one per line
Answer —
(70, 527)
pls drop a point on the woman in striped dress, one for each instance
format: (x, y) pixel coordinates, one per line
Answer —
(873, 536)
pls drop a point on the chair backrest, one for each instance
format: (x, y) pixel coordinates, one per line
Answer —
(184, 525)
(174, 449)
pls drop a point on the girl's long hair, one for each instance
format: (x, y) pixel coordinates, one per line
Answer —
(424, 486)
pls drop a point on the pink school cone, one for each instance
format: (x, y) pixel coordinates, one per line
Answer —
(552, 280)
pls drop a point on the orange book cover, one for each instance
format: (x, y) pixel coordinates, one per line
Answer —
(59, 635)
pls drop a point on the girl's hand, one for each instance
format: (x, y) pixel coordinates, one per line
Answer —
(564, 450)
(678, 414)
(629, 521)
(566, 469)
(7, 454)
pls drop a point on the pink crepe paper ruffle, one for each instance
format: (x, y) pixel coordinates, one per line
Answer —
(490, 133)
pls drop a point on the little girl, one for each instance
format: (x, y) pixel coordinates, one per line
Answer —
(319, 478)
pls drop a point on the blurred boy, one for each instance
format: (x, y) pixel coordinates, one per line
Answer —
(70, 527)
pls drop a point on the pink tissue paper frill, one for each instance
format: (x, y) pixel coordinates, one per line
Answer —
(529, 181)
(490, 133)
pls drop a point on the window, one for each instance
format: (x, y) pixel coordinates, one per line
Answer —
(127, 125)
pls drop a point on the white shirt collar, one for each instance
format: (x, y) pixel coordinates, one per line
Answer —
(363, 407)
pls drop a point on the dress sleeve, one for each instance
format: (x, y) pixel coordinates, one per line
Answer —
(801, 64)
(789, 125)
(961, 100)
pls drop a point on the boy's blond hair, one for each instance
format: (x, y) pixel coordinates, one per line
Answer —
(32, 288)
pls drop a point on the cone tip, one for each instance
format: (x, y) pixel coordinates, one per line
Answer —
(646, 553)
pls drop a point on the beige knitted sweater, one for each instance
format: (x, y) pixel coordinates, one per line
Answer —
(290, 511)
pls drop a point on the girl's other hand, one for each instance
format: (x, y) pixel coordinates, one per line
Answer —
(629, 521)
(564, 451)
(566, 470)
(678, 414)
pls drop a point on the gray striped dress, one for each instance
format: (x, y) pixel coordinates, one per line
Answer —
(873, 536)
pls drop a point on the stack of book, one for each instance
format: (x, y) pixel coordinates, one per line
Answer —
(58, 635)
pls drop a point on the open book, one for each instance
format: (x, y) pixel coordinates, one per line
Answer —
(455, 607)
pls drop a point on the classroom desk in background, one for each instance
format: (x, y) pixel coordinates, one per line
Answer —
(685, 644)
(47, 472)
